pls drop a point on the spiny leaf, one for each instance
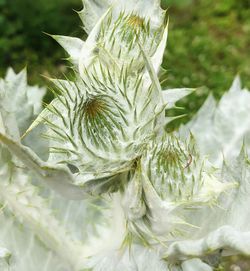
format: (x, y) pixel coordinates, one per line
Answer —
(59, 178)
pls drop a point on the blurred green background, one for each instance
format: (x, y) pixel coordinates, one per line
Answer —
(209, 42)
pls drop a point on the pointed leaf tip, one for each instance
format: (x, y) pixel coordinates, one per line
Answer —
(171, 96)
(71, 45)
(57, 177)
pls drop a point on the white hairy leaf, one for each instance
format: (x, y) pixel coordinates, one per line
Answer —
(72, 46)
(221, 128)
(134, 196)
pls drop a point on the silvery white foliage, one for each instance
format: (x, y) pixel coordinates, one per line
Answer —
(31, 235)
(72, 45)
(229, 233)
(147, 198)
(19, 102)
(93, 10)
(216, 127)
(31, 232)
(133, 259)
(220, 130)
(5, 255)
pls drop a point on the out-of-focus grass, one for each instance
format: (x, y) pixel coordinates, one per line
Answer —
(209, 43)
(23, 42)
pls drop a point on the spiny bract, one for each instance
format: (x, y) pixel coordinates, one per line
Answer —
(147, 200)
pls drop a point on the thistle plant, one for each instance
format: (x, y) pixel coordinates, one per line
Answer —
(94, 182)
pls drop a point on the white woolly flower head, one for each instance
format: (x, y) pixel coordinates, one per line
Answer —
(116, 29)
(149, 9)
(146, 197)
